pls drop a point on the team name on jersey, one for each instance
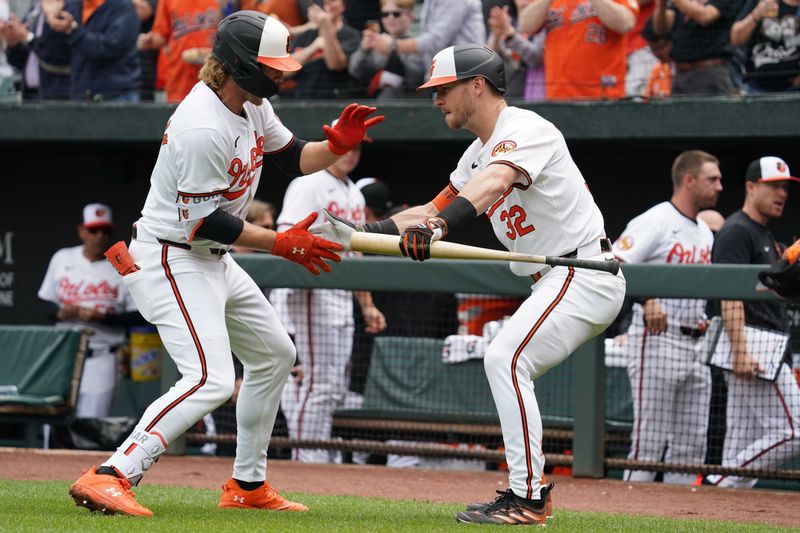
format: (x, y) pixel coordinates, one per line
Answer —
(693, 255)
(353, 214)
(83, 292)
(191, 22)
(582, 11)
(243, 173)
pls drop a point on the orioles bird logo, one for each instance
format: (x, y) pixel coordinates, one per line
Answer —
(503, 147)
(433, 65)
(288, 43)
(781, 166)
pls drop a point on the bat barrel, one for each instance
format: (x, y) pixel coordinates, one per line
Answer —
(611, 266)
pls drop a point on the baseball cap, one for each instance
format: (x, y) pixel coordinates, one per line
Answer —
(97, 216)
(366, 139)
(769, 168)
(377, 195)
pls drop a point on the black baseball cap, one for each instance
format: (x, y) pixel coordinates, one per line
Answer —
(767, 169)
(377, 195)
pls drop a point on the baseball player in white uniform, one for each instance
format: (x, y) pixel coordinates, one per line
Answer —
(84, 290)
(521, 175)
(323, 318)
(670, 384)
(184, 281)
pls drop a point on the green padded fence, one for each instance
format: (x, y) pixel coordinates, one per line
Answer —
(37, 366)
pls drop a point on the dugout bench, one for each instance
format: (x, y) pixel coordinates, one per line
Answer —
(40, 373)
(410, 394)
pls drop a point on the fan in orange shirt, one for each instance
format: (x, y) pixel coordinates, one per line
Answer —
(585, 49)
(186, 29)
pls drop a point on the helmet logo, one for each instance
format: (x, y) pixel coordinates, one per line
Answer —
(288, 43)
(433, 65)
(781, 166)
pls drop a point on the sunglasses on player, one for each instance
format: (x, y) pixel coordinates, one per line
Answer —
(395, 14)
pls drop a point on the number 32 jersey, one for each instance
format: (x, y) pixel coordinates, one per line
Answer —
(548, 210)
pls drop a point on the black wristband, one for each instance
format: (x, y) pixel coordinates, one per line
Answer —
(458, 212)
(381, 226)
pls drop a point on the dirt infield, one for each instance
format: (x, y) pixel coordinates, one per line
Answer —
(608, 496)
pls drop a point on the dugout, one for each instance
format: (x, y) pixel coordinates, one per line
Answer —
(59, 156)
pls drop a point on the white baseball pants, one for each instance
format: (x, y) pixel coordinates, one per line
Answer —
(566, 308)
(323, 322)
(671, 390)
(205, 307)
(763, 425)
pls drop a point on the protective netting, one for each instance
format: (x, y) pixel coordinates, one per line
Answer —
(416, 394)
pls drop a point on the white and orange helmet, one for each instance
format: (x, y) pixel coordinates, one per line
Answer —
(247, 39)
(464, 61)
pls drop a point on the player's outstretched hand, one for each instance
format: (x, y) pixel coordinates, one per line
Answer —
(350, 128)
(416, 240)
(298, 245)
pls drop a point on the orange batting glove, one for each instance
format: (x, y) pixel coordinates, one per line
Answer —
(350, 128)
(298, 245)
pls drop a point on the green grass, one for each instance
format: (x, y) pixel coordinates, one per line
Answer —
(46, 506)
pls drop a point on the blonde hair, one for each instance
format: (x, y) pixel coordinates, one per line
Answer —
(213, 73)
(408, 5)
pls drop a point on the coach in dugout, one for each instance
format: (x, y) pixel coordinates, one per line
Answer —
(82, 289)
(762, 416)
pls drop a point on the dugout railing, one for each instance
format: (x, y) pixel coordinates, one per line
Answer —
(585, 402)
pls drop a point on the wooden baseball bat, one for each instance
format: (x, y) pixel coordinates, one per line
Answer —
(378, 243)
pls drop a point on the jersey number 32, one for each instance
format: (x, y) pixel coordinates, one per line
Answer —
(514, 218)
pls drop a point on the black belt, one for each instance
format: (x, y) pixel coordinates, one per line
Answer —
(181, 245)
(605, 247)
(694, 333)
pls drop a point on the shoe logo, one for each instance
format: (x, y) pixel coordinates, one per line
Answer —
(114, 492)
(238, 499)
(298, 251)
(474, 165)
(766, 249)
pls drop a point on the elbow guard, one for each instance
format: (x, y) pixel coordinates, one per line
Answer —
(220, 226)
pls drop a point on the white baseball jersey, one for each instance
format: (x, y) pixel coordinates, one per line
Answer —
(209, 158)
(664, 235)
(549, 209)
(72, 279)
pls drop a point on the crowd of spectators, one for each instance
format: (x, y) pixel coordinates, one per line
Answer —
(140, 50)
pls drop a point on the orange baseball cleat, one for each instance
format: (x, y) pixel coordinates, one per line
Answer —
(264, 497)
(106, 494)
